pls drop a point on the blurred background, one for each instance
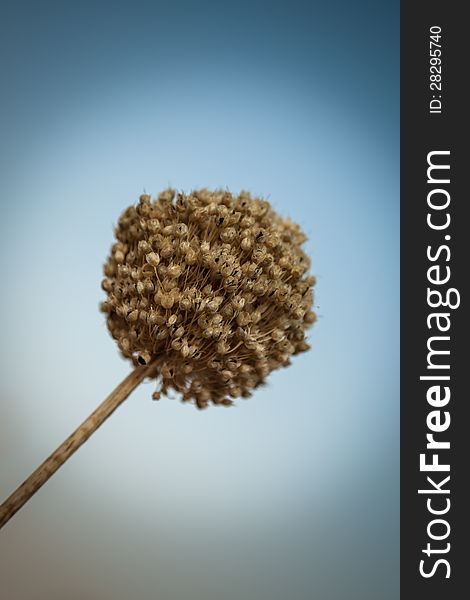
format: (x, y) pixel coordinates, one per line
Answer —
(293, 493)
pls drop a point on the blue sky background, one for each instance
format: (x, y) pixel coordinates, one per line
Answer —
(293, 493)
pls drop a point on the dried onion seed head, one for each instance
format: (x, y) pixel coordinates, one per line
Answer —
(212, 287)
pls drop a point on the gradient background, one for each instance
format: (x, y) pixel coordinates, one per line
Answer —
(294, 493)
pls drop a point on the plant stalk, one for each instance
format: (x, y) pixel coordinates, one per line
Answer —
(39, 477)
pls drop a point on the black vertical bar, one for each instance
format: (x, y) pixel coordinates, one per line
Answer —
(422, 132)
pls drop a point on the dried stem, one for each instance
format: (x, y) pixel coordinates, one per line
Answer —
(39, 477)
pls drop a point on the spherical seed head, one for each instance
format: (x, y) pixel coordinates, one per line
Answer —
(212, 288)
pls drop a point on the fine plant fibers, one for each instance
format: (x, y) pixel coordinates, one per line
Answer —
(207, 293)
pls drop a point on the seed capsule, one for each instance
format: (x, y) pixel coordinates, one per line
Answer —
(153, 259)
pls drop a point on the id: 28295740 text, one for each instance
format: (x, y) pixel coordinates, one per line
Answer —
(435, 69)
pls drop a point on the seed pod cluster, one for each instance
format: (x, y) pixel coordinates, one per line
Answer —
(213, 288)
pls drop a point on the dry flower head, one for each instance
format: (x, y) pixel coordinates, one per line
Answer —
(213, 288)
